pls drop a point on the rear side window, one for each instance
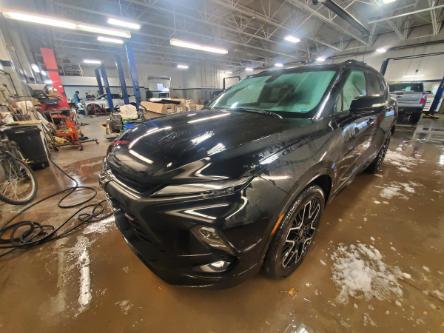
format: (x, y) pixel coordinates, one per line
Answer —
(407, 87)
(354, 86)
(375, 86)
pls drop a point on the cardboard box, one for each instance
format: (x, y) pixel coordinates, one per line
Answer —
(159, 107)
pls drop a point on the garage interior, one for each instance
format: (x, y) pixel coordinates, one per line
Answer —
(68, 67)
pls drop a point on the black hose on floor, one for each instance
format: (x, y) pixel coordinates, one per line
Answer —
(27, 234)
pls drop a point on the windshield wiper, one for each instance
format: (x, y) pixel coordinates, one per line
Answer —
(268, 113)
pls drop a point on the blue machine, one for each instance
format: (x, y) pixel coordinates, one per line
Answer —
(133, 73)
(109, 97)
(122, 79)
(99, 80)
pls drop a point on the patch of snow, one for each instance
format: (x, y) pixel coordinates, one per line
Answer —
(99, 227)
(377, 202)
(359, 271)
(124, 306)
(367, 320)
(402, 162)
(426, 269)
(397, 189)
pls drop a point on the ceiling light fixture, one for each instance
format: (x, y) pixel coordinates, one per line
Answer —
(39, 19)
(387, 1)
(278, 65)
(196, 46)
(292, 39)
(103, 31)
(320, 59)
(228, 72)
(44, 73)
(181, 66)
(248, 69)
(123, 24)
(64, 24)
(92, 61)
(381, 50)
(109, 40)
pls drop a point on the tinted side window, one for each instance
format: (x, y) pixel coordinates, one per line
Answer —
(374, 85)
(354, 86)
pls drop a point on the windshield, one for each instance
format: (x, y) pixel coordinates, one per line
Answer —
(295, 92)
(415, 87)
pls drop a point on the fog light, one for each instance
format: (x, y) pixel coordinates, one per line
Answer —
(211, 237)
(215, 267)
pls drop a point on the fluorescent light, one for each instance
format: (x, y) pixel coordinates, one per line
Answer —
(320, 59)
(278, 65)
(413, 76)
(124, 24)
(64, 24)
(104, 31)
(387, 1)
(196, 46)
(292, 39)
(40, 19)
(228, 72)
(180, 66)
(48, 81)
(109, 40)
(381, 50)
(248, 69)
(92, 61)
(35, 68)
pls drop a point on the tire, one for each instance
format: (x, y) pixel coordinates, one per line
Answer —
(295, 233)
(415, 117)
(376, 164)
(25, 168)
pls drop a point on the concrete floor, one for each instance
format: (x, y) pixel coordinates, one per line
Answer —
(376, 266)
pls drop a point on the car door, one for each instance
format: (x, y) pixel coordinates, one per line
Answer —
(375, 135)
(352, 127)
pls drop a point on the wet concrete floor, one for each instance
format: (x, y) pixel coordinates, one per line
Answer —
(376, 265)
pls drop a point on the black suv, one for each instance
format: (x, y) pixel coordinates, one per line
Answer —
(209, 198)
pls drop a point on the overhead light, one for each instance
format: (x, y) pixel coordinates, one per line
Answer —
(39, 19)
(413, 76)
(320, 59)
(278, 65)
(381, 50)
(248, 69)
(124, 24)
(64, 24)
(292, 39)
(109, 40)
(228, 72)
(387, 1)
(35, 68)
(181, 66)
(103, 30)
(92, 61)
(196, 46)
(44, 73)
(48, 81)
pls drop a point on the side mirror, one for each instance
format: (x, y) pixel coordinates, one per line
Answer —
(365, 103)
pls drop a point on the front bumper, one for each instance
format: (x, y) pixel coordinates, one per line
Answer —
(159, 232)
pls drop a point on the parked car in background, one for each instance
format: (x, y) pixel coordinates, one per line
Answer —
(209, 198)
(411, 98)
(100, 104)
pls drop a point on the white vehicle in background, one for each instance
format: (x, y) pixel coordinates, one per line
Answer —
(100, 104)
(411, 99)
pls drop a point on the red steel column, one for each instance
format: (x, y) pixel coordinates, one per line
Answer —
(50, 62)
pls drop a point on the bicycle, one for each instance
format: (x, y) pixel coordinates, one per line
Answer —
(17, 182)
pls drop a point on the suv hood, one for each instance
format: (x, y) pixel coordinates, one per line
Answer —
(206, 145)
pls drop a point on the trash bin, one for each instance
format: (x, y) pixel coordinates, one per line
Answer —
(30, 143)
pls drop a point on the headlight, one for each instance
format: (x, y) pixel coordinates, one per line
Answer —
(212, 188)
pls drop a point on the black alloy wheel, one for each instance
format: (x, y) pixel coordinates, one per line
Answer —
(295, 234)
(376, 165)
